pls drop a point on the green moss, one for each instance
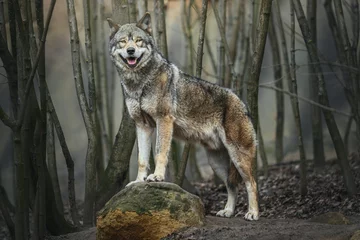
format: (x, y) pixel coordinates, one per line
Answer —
(144, 198)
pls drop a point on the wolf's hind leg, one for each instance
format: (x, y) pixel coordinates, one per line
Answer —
(219, 161)
(242, 159)
(143, 135)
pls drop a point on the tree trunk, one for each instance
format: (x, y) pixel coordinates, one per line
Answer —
(279, 96)
(261, 149)
(92, 153)
(317, 133)
(303, 182)
(257, 58)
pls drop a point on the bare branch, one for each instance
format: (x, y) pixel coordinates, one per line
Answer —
(305, 100)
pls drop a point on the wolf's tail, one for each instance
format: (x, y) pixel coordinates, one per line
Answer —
(234, 177)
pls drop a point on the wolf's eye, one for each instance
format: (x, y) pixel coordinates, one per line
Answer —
(139, 41)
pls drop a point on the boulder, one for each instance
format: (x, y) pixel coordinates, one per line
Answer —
(149, 211)
(356, 235)
(335, 218)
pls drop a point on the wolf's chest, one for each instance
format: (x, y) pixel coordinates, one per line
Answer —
(142, 110)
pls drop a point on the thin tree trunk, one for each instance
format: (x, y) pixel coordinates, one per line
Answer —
(279, 154)
(162, 28)
(103, 87)
(186, 27)
(260, 40)
(68, 160)
(303, 182)
(329, 118)
(51, 162)
(220, 44)
(20, 184)
(91, 155)
(40, 203)
(6, 213)
(347, 134)
(317, 133)
(41, 162)
(262, 152)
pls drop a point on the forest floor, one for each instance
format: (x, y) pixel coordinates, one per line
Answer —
(283, 213)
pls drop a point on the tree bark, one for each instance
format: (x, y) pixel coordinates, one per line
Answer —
(316, 121)
(91, 154)
(6, 213)
(162, 29)
(260, 40)
(262, 152)
(279, 154)
(257, 58)
(303, 182)
(329, 118)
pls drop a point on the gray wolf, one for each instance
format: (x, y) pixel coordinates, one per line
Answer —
(158, 95)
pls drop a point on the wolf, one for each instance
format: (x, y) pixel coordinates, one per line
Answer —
(159, 96)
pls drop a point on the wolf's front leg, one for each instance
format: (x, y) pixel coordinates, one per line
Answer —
(143, 135)
(164, 130)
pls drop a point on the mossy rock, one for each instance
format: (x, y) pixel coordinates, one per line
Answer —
(335, 218)
(149, 211)
(356, 235)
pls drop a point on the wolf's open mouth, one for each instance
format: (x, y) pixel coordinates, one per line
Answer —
(132, 61)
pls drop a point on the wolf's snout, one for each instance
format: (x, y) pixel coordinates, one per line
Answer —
(130, 50)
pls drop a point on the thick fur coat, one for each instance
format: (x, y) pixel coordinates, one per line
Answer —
(161, 97)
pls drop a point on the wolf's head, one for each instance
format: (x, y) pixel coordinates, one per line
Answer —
(131, 45)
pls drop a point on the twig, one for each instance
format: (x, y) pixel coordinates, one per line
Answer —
(306, 100)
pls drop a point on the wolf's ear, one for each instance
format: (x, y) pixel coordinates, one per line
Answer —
(114, 27)
(145, 23)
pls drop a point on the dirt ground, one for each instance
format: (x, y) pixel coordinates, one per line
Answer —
(284, 214)
(237, 228)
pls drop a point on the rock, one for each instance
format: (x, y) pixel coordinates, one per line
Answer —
(334, 218)
(149, 211)
(356, 235)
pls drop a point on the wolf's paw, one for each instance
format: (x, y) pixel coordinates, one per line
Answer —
(252, 215)
(154, 178)
(136, 181)
(225, 213)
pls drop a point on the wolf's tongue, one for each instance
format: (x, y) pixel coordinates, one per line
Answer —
(131, 61)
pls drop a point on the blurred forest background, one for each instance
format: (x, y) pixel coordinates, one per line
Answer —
(51, 143)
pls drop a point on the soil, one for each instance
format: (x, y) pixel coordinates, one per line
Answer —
(283, 213)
